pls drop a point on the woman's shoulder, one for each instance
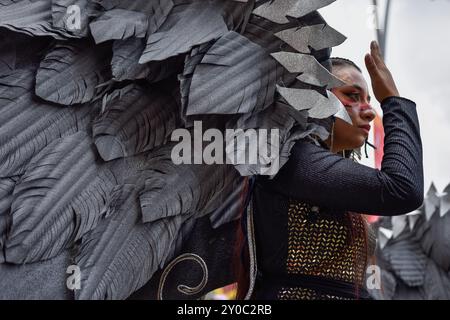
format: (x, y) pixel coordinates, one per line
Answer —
(308, 145)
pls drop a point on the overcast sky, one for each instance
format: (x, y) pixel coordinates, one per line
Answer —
(418, 54)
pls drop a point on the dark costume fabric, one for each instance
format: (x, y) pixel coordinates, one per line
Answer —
(310, 243)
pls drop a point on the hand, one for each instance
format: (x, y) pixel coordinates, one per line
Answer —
(382, 82)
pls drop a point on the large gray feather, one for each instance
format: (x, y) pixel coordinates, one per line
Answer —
(27, 125)
(73, 16)
(32, 17)
(317, 105)
(170, 190)
(292, 125)
(155, 10)
(6, 197)
(219, 73)
(125, 60)
(122, 253)
(187, 25)
(407, 260)
(119, 24)
(279, 10)
(139, 120)
(58, 199)
(437, 283)
(318, 37)
(311, 71)
(71, 73)
(125, 63)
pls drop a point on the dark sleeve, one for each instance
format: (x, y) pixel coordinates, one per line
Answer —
(322, 178)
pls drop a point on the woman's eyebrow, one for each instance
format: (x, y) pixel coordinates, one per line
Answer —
(362, 90)
(358, 87)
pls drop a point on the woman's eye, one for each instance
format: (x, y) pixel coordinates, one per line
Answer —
(353, 96)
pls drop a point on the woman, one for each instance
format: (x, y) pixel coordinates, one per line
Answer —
(310, 243)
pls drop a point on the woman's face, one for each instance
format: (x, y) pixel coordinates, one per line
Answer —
(354, 96)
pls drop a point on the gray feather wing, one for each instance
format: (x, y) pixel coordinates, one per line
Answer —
(6, 197)
(32, 17)
(253, 90)
(186, 26)
(169, 190)
(122, 253)
(72, 73)
(141, 119)
(28, 125)
(119, 24)
(58, 199)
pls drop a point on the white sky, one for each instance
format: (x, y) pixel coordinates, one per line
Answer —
(418, 54)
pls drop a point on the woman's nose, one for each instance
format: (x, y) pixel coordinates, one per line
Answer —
(367, 112)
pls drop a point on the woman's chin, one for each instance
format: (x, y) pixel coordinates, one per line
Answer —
(358, 143)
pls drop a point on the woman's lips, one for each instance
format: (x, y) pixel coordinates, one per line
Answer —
(366, 128)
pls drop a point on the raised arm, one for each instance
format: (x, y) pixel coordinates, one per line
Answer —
(316, 175)
(322, 178)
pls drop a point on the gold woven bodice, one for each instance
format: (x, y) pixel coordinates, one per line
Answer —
(333, 246)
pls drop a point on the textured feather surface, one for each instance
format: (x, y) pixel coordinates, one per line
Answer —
(436, 241)
(317, 105)
(389, 284)
(73, 16)
(236, 13)
(125, 63)
(119, 24)
(419, 255)
(405, 292)
(121, 254)
(7, 55)
(218, 74)
(437, 283)
(71, 72)
(312, 72)
(19, 51)
(172, 190)
(6, 191)
(33, 17)
(316, 37)
(27, 125)
(445, 201)
(125, 60)
(58, 199)
(140, 120)
(156, 10)
(45, 280)
(407, 260)
(279, 116)
(186, 26)
(278, 11)
(231, 201)
(191, 61)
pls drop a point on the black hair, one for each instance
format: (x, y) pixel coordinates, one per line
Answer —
(341, 62)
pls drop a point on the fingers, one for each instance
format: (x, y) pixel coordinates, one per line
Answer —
(371, 66)
(376, 54)
(383, 83)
